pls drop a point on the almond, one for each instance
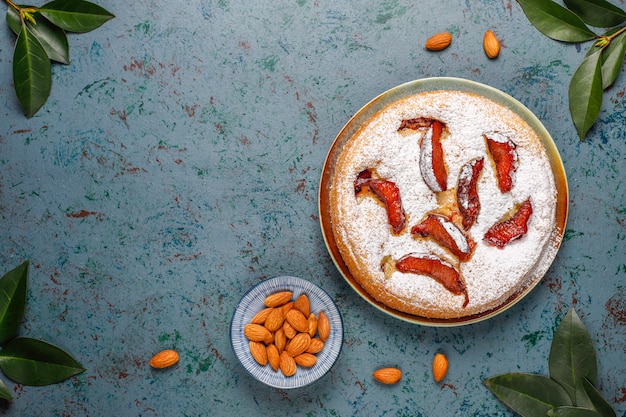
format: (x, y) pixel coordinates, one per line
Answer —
(278, 299)
(259, 352)
(440, 366)
(312, 322)
(280, 340)
(323, 326)
(164, 359)
(388, 375)
(305, 359)
(315, 346)
(275, 320)
(287, 307)
(287, 364)
(273, 357)
(491, 45)
(297, 320)
(298, 344)
(439, 41)
(257, 333)
(261, 316)
(289, 331)
(302, 304)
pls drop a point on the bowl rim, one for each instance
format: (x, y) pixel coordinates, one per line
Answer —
(327, 358)
(427, 85)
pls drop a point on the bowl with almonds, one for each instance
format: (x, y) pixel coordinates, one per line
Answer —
(287, 332)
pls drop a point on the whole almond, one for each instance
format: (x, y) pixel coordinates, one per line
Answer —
(287, 364)
(289, 331)
(257, 333)
(261, 316)
(315, 346)
(312, 321)
(439, 41)
(297, 320)
(440, 366)
(323, 326)
(491, 45)
(305, 359)
(388, 375)
(259, 352)
(164, 359)
(298, 344)
(275, 320)
(302, 304)
(273, 357)
(278, 299)
(280, 340)
(287, 307)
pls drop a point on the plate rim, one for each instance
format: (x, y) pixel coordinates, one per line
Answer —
(427, 85)
(266, 375)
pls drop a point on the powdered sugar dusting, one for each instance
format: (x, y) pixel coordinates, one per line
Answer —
(492, 274)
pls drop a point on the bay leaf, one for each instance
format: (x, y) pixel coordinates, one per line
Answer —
(555, 21)
(32, 72)
(75, 15)
(598, 13)
(30, 361)
(613, 60)
(572, 356)
(598, 402)
(529, 395)
(572, 412)
(4, 392)
(13, 286)
(585, 95)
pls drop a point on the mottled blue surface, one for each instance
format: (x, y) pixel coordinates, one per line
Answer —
(177, 163)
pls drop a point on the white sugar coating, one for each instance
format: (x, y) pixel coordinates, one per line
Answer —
(360, 223)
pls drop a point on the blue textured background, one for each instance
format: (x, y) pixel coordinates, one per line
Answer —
(176, 163)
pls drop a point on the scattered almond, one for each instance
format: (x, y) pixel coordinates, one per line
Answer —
(297, 320)
(287, 364)
(259, 352)
(440, 366)
(305, 359)
(278, 299)
(164, 359)
(273, 357)
(491, 45)
(302, 304)
(323, 326)
(388, 375)
(439, 41)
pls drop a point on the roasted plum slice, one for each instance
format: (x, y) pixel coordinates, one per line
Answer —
(467, 192)
(432, 165)
(418, 123)
(447, 234)
(387, 193)
(505, 231)
(435, 268)
(504, 155)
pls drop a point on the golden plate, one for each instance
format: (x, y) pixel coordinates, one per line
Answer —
(453, 84)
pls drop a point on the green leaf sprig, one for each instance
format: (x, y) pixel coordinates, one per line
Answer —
(25, 360)
(41, 39)
(604, 59)
(570, 389)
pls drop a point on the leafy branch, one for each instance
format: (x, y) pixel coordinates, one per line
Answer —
(41, 39)
(604, 59)
(25, 360)
(569, 391)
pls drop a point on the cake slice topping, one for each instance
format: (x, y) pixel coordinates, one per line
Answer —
(387, 193)
(505, 231)
(502, 150)
(467, 192)
(435, 268)
(446, 234)
(432, 165)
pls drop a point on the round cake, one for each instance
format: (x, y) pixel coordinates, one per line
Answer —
(442, 205)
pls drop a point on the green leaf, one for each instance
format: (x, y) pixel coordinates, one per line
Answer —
(32, 72)
(528, 395)
(13, 287)
(572, 412)
(34, 362)
(598, 13)
(572, 357)
(75, 15)
(613, 60)
(598, 402)
(585, 94)
(51, 37)
(555, 21)
(4, 392)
